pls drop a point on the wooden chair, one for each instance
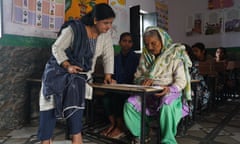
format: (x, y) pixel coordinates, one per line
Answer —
(207, 69)
(231, 84)
(220, 69)
(214, 73)
(219, 66)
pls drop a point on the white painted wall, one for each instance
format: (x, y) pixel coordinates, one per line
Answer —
(146, 5)
(178, 12)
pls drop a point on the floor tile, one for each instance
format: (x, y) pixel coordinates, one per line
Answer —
(226, 140)
(236, 136)
(24, 132)
(220, 126)
(16, 141)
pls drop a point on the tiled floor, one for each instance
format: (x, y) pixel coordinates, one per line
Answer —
(222, 126)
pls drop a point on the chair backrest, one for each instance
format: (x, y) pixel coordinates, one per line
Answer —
(211, 68)
(205, 68)
(231, 65)
(238, 64)
(219, 66)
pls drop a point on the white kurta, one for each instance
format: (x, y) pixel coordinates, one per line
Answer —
(104, 48)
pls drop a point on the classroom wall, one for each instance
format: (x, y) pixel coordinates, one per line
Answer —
(178, 12)
(146, 5)
(20, 58)
(16, 65)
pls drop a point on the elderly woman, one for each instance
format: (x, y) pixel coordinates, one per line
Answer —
(165, 64)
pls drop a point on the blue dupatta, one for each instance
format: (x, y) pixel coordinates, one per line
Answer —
(69, 89)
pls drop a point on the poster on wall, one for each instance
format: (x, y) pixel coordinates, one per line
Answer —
(213, 23)
(121, 22)
(219, 4)
(41, 14)
(194, 24)
(77, 8)
(232, 20)
(162, 12)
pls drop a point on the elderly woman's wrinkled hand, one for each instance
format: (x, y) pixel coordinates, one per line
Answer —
(147, 82)
(164, 92)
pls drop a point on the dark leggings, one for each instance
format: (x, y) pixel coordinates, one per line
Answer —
(48, 122)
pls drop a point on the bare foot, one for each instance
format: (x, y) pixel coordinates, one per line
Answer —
(107, 130)
(116, 133)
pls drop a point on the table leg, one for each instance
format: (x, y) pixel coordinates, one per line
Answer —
(195, 101)
(143, 115)
(28, 103)
(211, 103)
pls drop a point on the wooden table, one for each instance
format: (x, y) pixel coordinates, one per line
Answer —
(143, 91)
(31, 83)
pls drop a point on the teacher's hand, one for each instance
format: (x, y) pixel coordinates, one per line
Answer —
(108, 79)
(73, 69)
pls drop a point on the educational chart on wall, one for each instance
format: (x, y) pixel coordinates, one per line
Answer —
(75, 9)
(162, 11)
(43, 14)
(213, 23)
(232, 20)
(219, 4)
(194, 24)
(121, 22)
(33, 18)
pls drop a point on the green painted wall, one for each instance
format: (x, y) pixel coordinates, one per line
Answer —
(233, 53)
(32, 42)
(24, 41)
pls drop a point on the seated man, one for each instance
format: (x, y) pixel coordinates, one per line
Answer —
(125, 65)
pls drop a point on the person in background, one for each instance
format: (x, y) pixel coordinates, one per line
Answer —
(220, 55)
(74, 54)
(201, 88)
(221, 58)
(226, 80)
(200, 52)
(162, 63)
(124, 68)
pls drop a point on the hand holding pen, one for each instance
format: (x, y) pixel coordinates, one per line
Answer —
(72, 69)
(149, 82)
